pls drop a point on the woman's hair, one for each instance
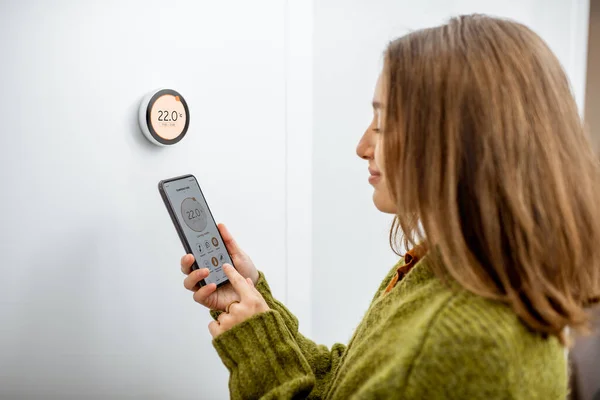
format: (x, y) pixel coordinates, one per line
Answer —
(488, 163)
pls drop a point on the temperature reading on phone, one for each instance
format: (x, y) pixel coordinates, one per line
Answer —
(193, 214)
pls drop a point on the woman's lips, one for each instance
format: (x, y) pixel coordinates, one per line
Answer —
(374, 177)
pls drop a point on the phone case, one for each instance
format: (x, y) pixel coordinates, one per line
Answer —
(178, 227)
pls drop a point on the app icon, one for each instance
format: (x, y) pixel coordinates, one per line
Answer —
(200, 248)
(214, 261)
(215, 242)
(206, 264)
(221, 258)
(207, 244)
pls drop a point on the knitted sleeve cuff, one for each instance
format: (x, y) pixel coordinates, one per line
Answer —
(263, 287)
(262, 355)
(215, 314)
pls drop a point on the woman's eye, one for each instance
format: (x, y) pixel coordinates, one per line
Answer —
(378, 124)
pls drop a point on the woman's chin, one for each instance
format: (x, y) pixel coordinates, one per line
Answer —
(383, 202)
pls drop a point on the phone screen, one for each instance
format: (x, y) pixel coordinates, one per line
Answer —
(198, 226)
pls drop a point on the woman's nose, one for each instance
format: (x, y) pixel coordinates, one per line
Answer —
(364, 149)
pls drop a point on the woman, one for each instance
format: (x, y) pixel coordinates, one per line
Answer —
(477, 148)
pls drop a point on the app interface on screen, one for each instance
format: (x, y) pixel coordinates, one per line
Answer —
(199, 227)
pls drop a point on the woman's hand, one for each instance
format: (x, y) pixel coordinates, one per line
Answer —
(208, 295)
(251, 303)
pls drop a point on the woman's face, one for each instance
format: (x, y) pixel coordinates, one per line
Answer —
(370, 148)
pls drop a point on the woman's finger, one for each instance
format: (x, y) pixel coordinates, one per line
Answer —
(237, 281)
(191, 281)
(232, 307)
(230, 244)
(223, 319)
(252, 287)
(214, 328)
(186, 263)
(202, 294)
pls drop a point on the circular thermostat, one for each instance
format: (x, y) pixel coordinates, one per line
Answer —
(164, 117)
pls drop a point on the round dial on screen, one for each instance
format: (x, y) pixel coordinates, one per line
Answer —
(193, 214)
(168, 116)
(164, 117)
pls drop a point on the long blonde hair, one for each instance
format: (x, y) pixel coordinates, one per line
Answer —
(488, 162)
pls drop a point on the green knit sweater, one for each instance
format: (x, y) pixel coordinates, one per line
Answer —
(422, 340)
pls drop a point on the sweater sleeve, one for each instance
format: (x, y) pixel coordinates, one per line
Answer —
(321, 360)
(264, 360)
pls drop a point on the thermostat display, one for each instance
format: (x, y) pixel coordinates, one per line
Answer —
(194, 215)
(164, 117)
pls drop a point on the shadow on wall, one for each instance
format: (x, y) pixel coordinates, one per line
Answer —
(585, 355)
(585, 364)
(592, 97)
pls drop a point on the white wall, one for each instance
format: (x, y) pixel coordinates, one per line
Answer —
(350, 249)
(91, 297)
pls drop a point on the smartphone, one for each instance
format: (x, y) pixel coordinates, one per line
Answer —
(196, 226)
